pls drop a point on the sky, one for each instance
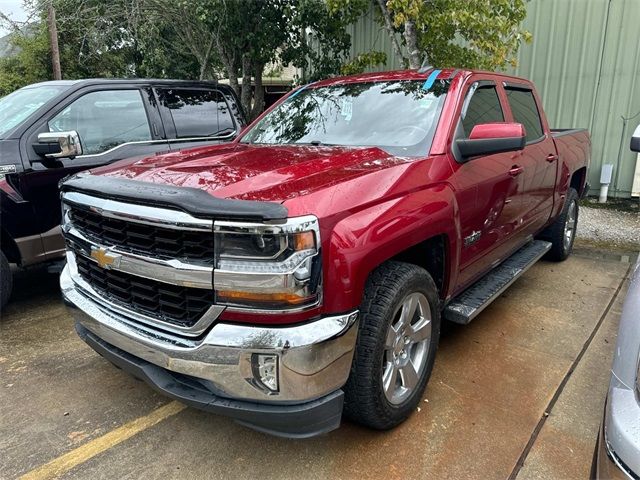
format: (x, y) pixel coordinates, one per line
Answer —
(14, 10)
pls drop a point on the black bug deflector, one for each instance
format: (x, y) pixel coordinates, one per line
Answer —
(191, 200)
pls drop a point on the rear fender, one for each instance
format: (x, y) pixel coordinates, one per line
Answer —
(574, 154)
(361, 242)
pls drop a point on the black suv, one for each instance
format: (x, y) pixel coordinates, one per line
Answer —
(52, 129)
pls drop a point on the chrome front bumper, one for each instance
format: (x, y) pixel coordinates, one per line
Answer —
(314, 358)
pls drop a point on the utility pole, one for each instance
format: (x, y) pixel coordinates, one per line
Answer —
(53, 35)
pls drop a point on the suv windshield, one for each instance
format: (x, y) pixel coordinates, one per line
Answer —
(398, 116)
(17, 106)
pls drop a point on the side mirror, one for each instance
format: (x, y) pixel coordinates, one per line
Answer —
(490, 138)
(58, 144)
(635, 140)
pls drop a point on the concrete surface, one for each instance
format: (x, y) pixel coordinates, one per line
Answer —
(483, 413)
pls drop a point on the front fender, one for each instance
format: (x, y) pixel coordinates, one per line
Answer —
(364, 240)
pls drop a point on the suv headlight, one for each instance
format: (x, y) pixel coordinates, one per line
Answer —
(268, 267)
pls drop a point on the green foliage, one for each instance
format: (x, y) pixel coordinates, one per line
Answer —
(363, 61)
(324, 48)
(252, 34)
(30, 64)
(482, 34)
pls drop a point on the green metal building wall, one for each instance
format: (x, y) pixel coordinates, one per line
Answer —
(585, 62)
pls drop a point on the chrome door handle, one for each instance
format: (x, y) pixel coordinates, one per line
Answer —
(516, 170)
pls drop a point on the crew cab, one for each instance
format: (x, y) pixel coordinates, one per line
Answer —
(52, 129)
(305, 269)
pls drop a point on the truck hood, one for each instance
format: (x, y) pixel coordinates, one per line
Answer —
(256, 172)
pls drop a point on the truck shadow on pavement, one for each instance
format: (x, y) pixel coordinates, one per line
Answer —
(33, 289)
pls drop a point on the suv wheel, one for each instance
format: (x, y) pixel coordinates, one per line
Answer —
(396, 346)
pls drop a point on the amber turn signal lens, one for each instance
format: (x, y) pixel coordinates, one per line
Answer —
(304, 241)
(280, 298)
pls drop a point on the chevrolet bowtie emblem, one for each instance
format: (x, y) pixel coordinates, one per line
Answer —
(105, 258)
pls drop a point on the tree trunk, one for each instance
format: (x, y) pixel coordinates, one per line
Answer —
(204, 64)
(53, 36)
(411, 39)
(231, 66)
(388, 25)
(258, 95)
(245, 92)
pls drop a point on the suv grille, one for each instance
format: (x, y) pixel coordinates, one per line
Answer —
(197, 247)
(182, 306)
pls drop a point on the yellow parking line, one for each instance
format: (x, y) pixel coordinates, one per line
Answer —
(66, 462)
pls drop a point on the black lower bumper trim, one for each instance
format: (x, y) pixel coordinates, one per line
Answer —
(291, 421)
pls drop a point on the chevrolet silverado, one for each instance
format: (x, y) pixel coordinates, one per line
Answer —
(304, 270)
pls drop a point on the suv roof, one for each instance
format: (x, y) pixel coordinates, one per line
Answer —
(138, 81)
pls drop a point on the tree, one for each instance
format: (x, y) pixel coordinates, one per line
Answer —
(31, 63)
(251, 34)
(199, 39)
(482, 34)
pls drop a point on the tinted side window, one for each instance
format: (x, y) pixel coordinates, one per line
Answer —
(105, 120)
(197, 113)
(484, 107)
(524, 109)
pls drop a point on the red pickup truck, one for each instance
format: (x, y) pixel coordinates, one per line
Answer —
(305, 268)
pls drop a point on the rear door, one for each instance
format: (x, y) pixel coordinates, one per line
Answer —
(487, 190)
(113, 122)
(538, 159)
(197, 116)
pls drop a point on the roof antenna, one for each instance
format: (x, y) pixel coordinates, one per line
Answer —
(425, 67)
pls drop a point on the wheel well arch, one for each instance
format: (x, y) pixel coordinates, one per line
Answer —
(9, 247)
(432, 255)
(578, 181)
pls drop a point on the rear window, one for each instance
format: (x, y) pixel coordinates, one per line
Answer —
(524, 109)
(197, 113)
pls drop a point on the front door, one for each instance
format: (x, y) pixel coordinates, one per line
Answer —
(487, 191)
(112, 124)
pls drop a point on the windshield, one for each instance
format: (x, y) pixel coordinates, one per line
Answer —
(17, 106)
(398, 116)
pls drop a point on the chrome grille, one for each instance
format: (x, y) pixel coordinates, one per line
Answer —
(154, 262)
(144, 239)
(182, 306)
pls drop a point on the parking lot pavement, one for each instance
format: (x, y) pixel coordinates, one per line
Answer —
(66, 412)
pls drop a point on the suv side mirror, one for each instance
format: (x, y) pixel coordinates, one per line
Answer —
(490, 138)
(635, 140)
(58, 144)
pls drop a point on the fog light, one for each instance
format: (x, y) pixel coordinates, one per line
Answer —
(265, 370)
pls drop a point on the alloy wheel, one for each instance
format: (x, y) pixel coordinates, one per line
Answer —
(406, 348)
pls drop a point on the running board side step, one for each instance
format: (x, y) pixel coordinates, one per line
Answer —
(467, 305)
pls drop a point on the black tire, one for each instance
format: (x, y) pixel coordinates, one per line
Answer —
(556, 232)
(6, 281)
(387, 289)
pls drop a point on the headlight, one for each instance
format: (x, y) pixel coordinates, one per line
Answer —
(268, 267)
